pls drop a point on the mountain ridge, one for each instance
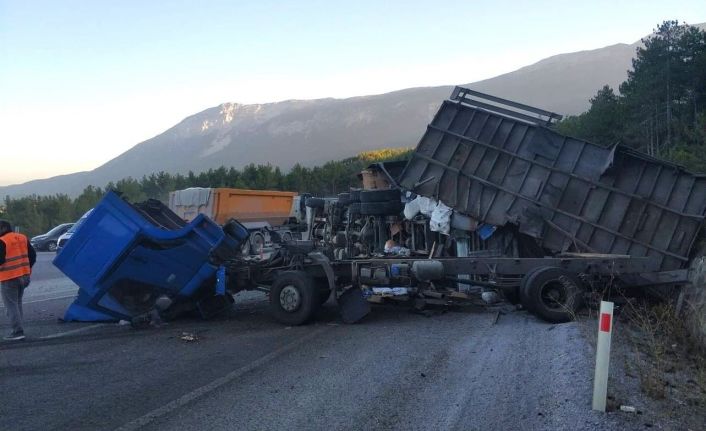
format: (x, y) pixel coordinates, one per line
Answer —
(313, 131)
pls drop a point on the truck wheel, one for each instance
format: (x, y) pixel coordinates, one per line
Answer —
(293, 297)
(323, 290)
(381, 208)
(522, 290)
(257, 243)
(245, 247)
(379, 195)
(344, 199)
(354, 209)
(51, 246)
(553, 294)
(315, 202)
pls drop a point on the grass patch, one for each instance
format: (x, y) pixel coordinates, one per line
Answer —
(662, 346)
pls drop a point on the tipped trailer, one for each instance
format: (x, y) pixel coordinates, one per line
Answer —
(493, 200)
(501, 164)
(519, 209)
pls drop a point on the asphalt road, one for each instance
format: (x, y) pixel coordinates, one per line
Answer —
(395, 370)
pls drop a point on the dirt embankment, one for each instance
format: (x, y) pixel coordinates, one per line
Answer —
(655, 367)
(692, 302)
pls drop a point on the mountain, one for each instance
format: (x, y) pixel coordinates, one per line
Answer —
(311, 132)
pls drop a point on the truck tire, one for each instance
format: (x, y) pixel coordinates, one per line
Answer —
(315, 202)
(257, 243)
(553, 294)
(323, 290)
(381, 208)
(294, 298)
(379, 195)
(344, 199)
(522, 290)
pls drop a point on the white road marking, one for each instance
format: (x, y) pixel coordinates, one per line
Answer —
(53, 298)
(45, 299)
(71, 332)
(210, 387)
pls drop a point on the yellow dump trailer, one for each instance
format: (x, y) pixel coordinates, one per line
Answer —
(221, 204)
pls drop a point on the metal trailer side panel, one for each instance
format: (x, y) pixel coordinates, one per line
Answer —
(500, 166)
(221, 204)
(191, 202)
(271, 206)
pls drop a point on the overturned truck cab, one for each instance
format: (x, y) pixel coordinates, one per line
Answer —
(126, 258)
(140, 262)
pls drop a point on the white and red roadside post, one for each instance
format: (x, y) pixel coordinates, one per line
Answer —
(600, 381)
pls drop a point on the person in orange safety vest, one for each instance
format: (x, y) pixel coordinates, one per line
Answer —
(16, 260)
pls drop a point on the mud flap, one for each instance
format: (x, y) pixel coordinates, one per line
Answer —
(352, 305)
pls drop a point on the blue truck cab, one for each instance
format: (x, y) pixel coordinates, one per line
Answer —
(125, 256)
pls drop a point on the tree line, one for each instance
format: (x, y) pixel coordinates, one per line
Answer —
(660, 108)
(37, 214)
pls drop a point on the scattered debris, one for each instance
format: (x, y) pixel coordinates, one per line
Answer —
(490, 297)
(390, 291)
(391, 248)
(188, 337)
(628, 409)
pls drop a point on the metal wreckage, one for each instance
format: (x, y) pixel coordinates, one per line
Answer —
(493, 201)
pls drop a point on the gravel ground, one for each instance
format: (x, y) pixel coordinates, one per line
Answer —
(455, 371)
(396, 370)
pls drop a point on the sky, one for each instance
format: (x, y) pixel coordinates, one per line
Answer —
(83, 81)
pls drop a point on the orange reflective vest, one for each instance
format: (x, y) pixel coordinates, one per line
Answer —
(16, 256)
